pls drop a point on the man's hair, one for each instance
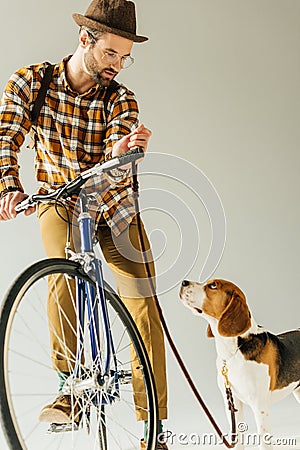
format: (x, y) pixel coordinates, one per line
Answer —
(93, 34)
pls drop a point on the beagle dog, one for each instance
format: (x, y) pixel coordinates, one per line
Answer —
(262, 367)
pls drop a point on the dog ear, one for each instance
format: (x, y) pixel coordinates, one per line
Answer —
(235, 319)
(209, 333)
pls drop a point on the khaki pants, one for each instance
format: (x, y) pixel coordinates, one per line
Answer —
(123, 256)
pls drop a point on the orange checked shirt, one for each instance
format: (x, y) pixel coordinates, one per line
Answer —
(73, 133)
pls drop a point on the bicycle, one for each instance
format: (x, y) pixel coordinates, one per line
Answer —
(100, 379)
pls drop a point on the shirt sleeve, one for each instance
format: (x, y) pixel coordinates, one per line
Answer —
(15, 123)
(122, 118)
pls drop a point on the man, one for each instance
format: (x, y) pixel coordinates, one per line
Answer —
(73, 133)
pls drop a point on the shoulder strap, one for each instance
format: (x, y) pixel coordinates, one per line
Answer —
(41, 94)
(112, 87)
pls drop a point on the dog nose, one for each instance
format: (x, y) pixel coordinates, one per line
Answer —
(185, 283)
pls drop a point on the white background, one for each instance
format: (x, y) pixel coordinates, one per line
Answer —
(218, 83)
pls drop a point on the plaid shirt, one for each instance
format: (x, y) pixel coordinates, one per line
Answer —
(72, 135)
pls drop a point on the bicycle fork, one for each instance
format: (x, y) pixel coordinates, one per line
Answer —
(91, 301)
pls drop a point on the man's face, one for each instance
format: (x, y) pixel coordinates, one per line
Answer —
(97, 57)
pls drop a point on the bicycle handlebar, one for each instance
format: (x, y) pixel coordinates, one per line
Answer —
(73, 186)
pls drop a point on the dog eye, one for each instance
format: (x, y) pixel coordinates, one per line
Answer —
(212, 285)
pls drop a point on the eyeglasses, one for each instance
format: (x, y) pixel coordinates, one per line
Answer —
(113, 58)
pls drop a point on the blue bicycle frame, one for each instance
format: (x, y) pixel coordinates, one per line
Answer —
(88, 298)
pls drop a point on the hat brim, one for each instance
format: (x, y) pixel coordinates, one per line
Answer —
(94, 24)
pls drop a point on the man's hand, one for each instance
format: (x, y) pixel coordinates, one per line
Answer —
(9, 202)
(137, 138)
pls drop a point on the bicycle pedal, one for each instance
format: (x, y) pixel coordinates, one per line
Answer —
(125, 376)
(62, 427)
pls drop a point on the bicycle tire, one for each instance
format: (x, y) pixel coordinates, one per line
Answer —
(12, 312)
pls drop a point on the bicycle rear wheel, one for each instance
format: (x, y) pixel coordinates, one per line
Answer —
(28, 381)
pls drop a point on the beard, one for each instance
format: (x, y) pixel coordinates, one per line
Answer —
(94, 71)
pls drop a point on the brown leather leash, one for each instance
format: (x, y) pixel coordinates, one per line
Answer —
(135, 188)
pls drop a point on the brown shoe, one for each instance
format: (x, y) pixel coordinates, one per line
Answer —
(162, 446)
(60, 411)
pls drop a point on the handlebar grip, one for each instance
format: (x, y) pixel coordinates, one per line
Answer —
(126, 158)
(24, 204)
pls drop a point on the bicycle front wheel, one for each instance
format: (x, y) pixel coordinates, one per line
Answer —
(28, 381)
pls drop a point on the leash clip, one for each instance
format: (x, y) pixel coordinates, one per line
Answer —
(224, 372)
(229, 395)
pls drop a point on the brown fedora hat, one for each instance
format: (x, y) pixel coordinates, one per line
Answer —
(113, 16)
